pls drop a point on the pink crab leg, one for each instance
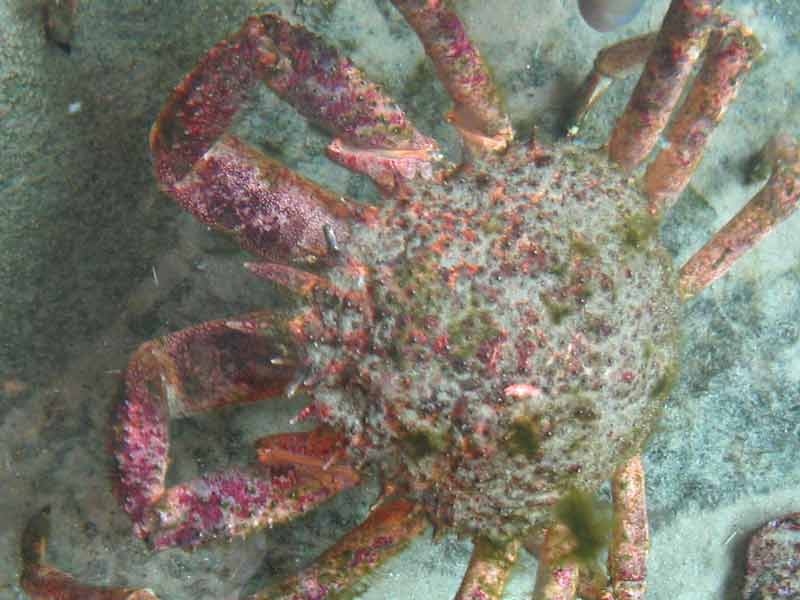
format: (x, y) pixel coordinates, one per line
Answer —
(488, 571)
(557, 577)
(612, 63)
(775, 202)
(44, 582)
(235, 502)
(477, 113)
(731, 51)
(372, 134)
(679, 43)
(272, 211)
(630, 541)
(197, 369)
(386, 531)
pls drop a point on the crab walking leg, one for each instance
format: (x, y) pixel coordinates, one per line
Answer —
(477, 113)
(680, 42)
(558, 575)
(488, 571)
(194, 370)
(372, 134)
(386, 531)
(776, 201)
(613, 63)
(44, 582)
(730, 54)
(630, 541)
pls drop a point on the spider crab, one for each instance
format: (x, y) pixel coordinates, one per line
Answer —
(494, 339)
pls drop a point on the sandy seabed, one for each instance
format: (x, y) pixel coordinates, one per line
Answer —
(94, 260)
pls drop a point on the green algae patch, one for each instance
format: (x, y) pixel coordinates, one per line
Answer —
(581, 248)
(665, 383)
(423, 442)
(523, 437)
(589, 521)
(638, 228)
(556, 310)
(466, 334)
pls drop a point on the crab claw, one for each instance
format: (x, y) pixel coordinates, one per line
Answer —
(228, 184)
(198, 369)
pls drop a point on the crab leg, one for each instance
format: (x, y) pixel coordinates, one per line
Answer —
(557, 577)
(488, 571)
(235, 502)
(386, 531)
(373, 136)
(627, 556)
(679, 43)
(44, 582)
(477, 113)
(198, 369)
(729, 58)
(775, 202)
(612, 63)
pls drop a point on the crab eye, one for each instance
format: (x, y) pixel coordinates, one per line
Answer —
(605, 15)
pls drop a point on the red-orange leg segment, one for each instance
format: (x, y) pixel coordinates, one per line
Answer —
(730, 54)
(388, 529)
(557, 576)
(477, 113)
(775, 202)
(630, 541)
(488, 571)
(612, 63)
(44, 582)
(319, 454)
(681, 40)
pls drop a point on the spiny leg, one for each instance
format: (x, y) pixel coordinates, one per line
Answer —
(630, 541)
(558, 574)
(730, 54)
(488, 571)
(198, 369)
(776, 201)
(477, 113)
(42, 581)
(372, 134)
(612, 63)
(561, 577)
(198, 164)
(386, 531)
(681, 40)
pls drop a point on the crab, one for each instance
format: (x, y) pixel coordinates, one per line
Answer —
(493, 342)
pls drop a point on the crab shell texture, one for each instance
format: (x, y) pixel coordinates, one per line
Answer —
(522, 336)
